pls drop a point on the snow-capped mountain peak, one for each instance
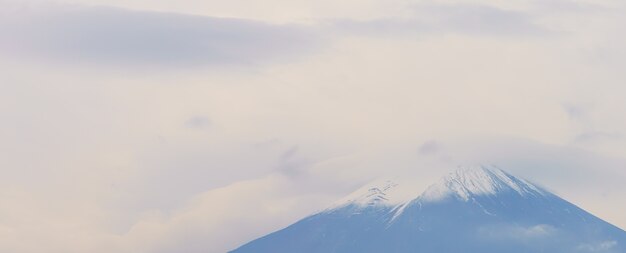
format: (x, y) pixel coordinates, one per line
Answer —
(377, 193)
(463, 183)
(473, 209)
(466, 182)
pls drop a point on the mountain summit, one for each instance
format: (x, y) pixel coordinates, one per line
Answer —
(473, 209)
(467, 182)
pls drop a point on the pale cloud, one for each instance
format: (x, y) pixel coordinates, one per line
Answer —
(430, 19)
(279, 11)
(119, 37)
(198, 122)
(518, 232)
(605, 246)
(206, 158)
(429, 147)
(217, 220)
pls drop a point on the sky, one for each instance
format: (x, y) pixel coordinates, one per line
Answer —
(158, 126)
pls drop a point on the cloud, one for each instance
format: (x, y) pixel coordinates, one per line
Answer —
(575, 112)
(538, 161)
(537, 230)
(429, 147)
(590, 134)
(113, 36)
(221, 219)
(517, 232)
(291, 163)
(595, 136)
(88, 156)
(605, 246)
(433, 19)
(198, 122)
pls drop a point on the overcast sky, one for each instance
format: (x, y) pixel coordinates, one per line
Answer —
(157, 126)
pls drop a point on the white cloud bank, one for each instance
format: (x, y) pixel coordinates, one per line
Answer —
(206, 151)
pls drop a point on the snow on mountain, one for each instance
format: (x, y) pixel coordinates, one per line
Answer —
(463, 183)
(382, 192)
(473, 209)
(373, 194)
(479, 181)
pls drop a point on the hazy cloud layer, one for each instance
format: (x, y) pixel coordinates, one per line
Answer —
(606, 246)
(539, 232)
(436, 19)
(111, 36)
(253, 121)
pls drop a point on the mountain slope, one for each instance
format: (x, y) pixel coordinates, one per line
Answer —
(477, 209)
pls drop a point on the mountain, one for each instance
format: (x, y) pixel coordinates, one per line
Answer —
(473, 209)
